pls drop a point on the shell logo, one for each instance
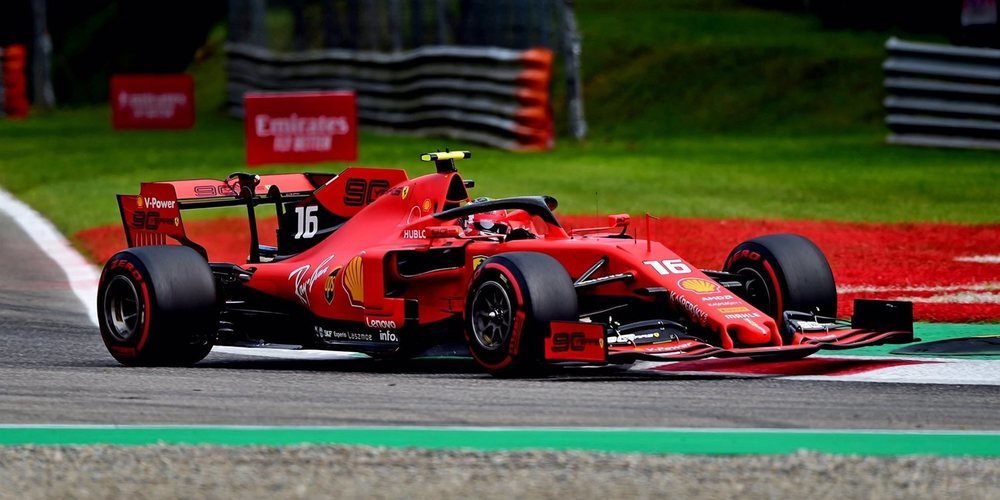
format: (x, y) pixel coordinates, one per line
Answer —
(354, 282)
(426, 206)
(138, 201)
(698, 285)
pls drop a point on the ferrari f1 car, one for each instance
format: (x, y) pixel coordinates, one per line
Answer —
(374, 262)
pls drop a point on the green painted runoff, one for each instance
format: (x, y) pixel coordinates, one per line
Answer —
(613, 440)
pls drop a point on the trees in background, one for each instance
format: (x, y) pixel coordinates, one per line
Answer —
(94, 39)
(940, 17)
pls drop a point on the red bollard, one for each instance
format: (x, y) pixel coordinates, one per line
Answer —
(15, 83)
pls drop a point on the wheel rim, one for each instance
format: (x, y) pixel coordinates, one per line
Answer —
(122, 309)
(758, 293)
(491, 316)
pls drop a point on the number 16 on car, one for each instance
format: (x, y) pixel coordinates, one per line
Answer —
(669, 266)
(308, 222)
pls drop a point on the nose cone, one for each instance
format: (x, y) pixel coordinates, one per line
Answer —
(752, 332)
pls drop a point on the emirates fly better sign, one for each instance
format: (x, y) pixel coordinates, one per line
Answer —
(301, 127)
(152, 101)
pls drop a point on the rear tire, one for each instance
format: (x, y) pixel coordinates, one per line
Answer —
(788, 273)
(512, 299)
(157, 306)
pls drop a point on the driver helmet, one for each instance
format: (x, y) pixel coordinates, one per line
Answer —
(492, 222)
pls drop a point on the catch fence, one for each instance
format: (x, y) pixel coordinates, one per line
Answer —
(477, 70)
(942, 95)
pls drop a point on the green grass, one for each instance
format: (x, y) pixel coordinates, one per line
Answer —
(678, 67)
(69, 165)
(697, 108)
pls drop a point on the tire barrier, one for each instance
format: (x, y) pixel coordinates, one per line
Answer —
(14, 86)
(942, 95)
(489, 95)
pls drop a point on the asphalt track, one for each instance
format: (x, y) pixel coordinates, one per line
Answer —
(54, 369)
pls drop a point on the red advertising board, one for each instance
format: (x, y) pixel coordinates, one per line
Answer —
(300, 127)
(152, 101)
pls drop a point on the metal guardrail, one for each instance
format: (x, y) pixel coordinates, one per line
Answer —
(489, 95)
(942, 95)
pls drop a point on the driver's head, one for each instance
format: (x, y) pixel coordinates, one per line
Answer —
(492, 222)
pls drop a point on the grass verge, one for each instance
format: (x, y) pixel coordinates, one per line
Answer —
(69, 164)
(697, 109)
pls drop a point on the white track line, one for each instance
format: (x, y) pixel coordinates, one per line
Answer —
(965, 372)
(971, 287)
(931, 370)
(980, 259)
(82, 275)
(957, 298)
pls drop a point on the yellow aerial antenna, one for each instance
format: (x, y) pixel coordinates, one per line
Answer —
(445, 162)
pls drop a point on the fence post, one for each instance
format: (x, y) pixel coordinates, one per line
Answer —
(371, 12)
(258, 30)
(353, 25)
(416, 23)
(443, 22)
(331, 24)
(574, 87)
(395, 16)
(41, 59)
(246, 21)
(237, 21)
(299, 37)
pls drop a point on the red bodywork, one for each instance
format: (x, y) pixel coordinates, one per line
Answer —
(362, 273)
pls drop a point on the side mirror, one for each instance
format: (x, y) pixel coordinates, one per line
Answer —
(619, 220)
(436, 232)
(551, 202)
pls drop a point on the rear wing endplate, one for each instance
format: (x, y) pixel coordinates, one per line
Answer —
(154, 215)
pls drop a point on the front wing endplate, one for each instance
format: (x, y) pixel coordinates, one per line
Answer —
(802, 345)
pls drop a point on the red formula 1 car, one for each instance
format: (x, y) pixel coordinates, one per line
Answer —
(374, 262)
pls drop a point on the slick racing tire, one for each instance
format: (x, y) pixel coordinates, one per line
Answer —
(787, 273)
(157, 306)
(511, 301)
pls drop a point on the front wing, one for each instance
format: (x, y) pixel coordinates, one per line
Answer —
(804, 345)
(874, 322)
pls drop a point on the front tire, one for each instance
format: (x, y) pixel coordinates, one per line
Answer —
(787, 272)
(157, 306)
(511, 301)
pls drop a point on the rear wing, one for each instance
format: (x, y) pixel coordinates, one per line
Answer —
(154, 215)
(203, 193)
